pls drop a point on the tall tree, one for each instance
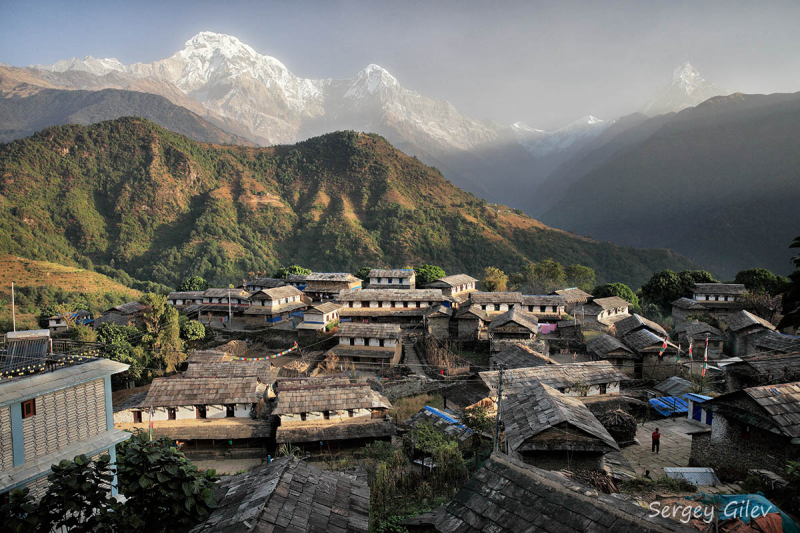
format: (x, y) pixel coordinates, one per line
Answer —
(580, 276)
(285, 272)
(494, 280)
(662, 289)
(761, 281)
(363, 273)
(162, 329)
(194, 283)
(616, 289)
(428, 273)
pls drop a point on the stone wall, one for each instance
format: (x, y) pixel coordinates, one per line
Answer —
(6, 445)
(65, 417)
(727, 451)
(563, 460)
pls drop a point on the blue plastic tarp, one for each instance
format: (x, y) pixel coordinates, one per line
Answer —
(670, 405)
(745, 507)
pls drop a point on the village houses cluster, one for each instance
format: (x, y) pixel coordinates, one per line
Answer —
(315, 359)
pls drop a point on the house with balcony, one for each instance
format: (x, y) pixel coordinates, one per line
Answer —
(546, 308)
(368, 345)
(322, 286)
(270, 306)
(53, 407)
(605, 311)
(396, 306)
(458, 286)
(183, 299)
(495, 303)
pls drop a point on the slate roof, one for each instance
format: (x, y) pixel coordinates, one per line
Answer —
(768, 367)
(232, 368)
(558, 376)
(481, 298)
(355, 428)
(782, 403)
(452, 281)
(543, 299)
(264, 282)
(509, 496)
(673, 386)
(644, 338)
(465, 394)
(440, 310)
(277, 293)
(602, 345)
(289, 495)
(474, 310)
(391, 273)
(698, 330)
(185, 295)
(319, 395)
(517, 316)
(744, 319)
(127, 308)
(772, 341)
(390, 295)
(296, 278)
(372, 331)
(327, 307)
(719, 288)
(532, 410)
(688, 304)
(206, 428)
(520, 356)
(223, 293)
(610, 302)
(331, 276)
(573, 294)
(255, 310)
(184, 390)
(635, 322)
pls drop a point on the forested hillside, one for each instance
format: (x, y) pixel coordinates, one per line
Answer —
(129, 194)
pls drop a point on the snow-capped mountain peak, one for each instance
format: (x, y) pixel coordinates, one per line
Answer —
(541, 143)
(93, 65)
(210, 43)
(687, 89)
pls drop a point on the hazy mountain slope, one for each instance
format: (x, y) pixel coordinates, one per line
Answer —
(719, 182)
(687, 89)
(21, 116)
(163, 207)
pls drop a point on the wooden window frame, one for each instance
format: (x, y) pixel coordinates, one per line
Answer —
(28, 408)
(137, 417)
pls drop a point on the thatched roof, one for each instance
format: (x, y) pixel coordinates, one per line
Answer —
(719, 288)
(371, 331)
(603, 344)
(516, 316)
(634, 322)
(317, 396)
(531, 411)
(509, 496)
(745, 319)
(289, 495)
(520, 356)
(558, 376)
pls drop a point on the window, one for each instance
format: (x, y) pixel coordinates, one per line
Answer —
(326, 415)
(137, 417)
(352, 341)
(171, 414)
(746, 433)
(603, 388)
(381, 342)
(200, 411)
(303, 417)
(350, 413)
(28, 408)
(542, 308)
(230, 411)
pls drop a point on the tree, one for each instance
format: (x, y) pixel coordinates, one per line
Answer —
(363, 273)
(761, 281)
(762, 304)
(791, 297)
(478, 420)
(616, 289)
(83, 333)
(195, 283)
(78, 497)
(580, 276)
(494, 279)
(124, 352)
(428, 273)
(285, 272)
(689, 277)
(164, 490)
(162, 329)
(192, 330)
(21, 513)
(109, 333)
(662, 289)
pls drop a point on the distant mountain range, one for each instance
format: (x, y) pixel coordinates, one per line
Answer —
(229, 84)
(719, 182)
(129, 194)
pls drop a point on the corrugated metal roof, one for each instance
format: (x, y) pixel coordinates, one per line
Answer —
(696, 475)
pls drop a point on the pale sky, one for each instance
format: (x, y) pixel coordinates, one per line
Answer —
(543, 63)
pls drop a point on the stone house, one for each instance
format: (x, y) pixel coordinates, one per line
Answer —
(546, 308)
(761, 370)
(326, 285)
(388, 305)
(546, 428)
(751, 429)
(574, 297)
(373, 345)
(437, 321)
(513, 326)
(636, 322)
(59, 408)
(399, 278)
(297, 280)
(685, 308)
(741, 326)
(261, 284)
(508, 495)
(606, 311)
(608, 348)
(289, 495)
(183, 299)
(769, 341)
(127, 314)
(326, 414)
(471, 322)
(719, 299)
(320, 317)
(648, 346)
(594, 378)
(270, 306)
(696, 332)
(457, 286)
(495, 303)
(220, 305)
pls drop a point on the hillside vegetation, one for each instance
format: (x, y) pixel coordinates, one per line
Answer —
(129, 194)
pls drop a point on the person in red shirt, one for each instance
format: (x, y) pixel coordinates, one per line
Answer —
(656, 440)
